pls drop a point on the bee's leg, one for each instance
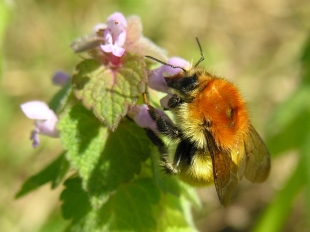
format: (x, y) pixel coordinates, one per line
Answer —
(164, 125)
(163, 151)
(174, 101)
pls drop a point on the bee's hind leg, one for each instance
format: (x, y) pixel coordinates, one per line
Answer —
(163, 151)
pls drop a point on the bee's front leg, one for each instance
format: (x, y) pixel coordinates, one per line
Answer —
(164, 125)
(174, 101)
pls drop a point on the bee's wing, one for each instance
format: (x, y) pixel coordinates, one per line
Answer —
(257, 157)
(225, 175)
(225, 171)
(238, 156)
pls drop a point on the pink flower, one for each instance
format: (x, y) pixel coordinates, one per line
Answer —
(136, 43)
(141, 116)
(164, 101)
(109, 41)
(45, 120)
(157, 76)
(115, 35)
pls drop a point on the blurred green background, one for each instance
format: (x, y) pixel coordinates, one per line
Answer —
(262, 46)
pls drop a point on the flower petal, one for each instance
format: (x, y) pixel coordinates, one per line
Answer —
(156, 77)
(106, 47)
(164, 101)
(141, 116)
(157, 81)
(117, 29)
(120, 40)
(108, 38)
(136, 43)
(176, 61)
(117, 21)
(115, 35)
(117, 51)
(47, 127)
(37, 110)
(35, 138)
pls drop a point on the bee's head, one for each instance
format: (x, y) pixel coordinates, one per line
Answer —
(185, 81)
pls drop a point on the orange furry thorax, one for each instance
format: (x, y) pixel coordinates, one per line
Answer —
(220, 106)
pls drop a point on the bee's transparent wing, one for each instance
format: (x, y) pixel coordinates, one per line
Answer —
(225, 175)
(225, 171)
(238, 156)
(257, 157)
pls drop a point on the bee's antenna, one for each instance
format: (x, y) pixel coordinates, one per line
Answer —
(201, 53)
(164, 63)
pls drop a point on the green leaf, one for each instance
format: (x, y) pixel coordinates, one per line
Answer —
(60, 171)
(75, 200)
(167, 184)
(103, 159)
(88, 224)
(76, 206)
(174, 214)
(130, 209)
(135, 206)
(121, 159)
(83, 136)
(109, 92)
(60, 98)
(111, 199)
(54, 173)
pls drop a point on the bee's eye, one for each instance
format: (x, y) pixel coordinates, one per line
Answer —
(187, 84)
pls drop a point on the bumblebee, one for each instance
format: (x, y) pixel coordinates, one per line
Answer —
(216, 141)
